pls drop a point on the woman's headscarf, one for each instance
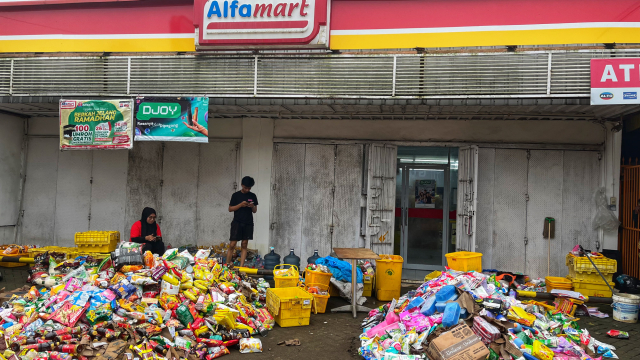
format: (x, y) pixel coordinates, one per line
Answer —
(146, 228)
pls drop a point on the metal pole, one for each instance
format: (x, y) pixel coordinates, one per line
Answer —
(583, 252)
(598, 270)
(354, 287)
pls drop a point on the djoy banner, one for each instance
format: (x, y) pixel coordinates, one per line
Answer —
(96, 124)
(172, 119)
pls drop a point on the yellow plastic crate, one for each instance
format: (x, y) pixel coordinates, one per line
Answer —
(289, 306)
(589, 277)
(320, 302)
(317, 278)
(589, 289)
(97, 241)
(432, 275)
(559, 283)
(583, 265)
(465, 261)
(286, 281)
(369, 283)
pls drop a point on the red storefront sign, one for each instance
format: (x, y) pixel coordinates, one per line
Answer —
(615, 81)
(261, 23)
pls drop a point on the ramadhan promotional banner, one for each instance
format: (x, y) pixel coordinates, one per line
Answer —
(172, 119)
(96, 124)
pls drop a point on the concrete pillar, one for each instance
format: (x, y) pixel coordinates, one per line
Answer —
(611, 176)
(256, 152)
(12, 152)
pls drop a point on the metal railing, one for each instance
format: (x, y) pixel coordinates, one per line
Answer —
(629, 216)
(557, 73)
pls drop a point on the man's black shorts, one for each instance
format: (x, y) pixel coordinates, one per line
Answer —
(241, 231)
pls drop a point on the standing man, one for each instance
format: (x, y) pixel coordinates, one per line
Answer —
(243, 204)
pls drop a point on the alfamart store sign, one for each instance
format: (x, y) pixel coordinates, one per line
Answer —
(615, 81)
(262, 23)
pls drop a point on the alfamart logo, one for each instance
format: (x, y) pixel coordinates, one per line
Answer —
(243, 23)
(226, 9)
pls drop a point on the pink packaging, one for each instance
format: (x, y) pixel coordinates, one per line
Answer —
(385, 344)
(435, 319)
(389, 323)
(62, 295)
(415, 320)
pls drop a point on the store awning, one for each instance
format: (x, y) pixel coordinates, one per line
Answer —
(375, 109)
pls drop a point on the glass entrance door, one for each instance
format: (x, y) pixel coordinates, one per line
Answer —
(424, 215)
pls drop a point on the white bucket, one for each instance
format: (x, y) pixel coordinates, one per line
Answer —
(625, 307)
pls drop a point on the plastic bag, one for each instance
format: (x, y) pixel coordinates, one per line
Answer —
(127, 253)
(202, 254)
(604, 217)
(627, 284)
(341, 270)
(181, 261)
(187, 255)
(251, 345)
(79, 273)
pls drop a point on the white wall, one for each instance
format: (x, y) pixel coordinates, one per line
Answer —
(257, 151)
(73, 191)
(474, 131)
(11, 152)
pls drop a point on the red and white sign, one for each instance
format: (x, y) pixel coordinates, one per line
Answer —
(615, 81)
(262, 23)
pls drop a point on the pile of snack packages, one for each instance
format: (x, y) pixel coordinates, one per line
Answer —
(537, 285)
(134, 305)
(472, 316)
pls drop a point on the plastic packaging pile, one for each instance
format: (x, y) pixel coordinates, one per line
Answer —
(537, 285)
(481, 316)
(366, 267)
(134, 305)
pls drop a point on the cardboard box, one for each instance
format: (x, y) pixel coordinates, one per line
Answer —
(457, 344)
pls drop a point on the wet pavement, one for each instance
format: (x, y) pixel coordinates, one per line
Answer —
(335, 335)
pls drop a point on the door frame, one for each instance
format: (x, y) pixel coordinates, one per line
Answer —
(404, 212)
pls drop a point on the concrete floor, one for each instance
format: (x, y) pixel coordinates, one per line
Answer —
(335, 336)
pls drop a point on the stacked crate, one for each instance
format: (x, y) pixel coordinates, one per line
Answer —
(585, 277)
(98, 244)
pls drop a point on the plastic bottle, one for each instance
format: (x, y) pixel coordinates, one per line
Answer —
(270, 261)
(67, 348)
(312, 259)
(291, 259)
